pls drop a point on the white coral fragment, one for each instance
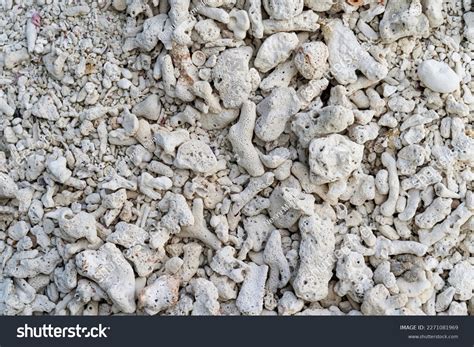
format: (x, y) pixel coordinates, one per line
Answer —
(231, 76)
(195, 155)
(160, 295)
(198, 229)
(275, 50)
(250, 299)
(334, 157)
(275, 111)
(46, 109)
(403, 18)
(240, 136)
(438, 76)
(112, 272)
(346, 55)
(283, 9)
(274, 257)
(225, 264)
(236, 157)
(317, 247)
(311, 60)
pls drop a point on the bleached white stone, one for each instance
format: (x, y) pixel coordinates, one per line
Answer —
(438, 76)
(317, 247)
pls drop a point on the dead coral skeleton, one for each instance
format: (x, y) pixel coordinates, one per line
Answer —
(216, 157)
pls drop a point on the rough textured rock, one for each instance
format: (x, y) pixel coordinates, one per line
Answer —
(224, 157)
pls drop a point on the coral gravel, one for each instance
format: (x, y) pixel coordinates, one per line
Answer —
(236, 157)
